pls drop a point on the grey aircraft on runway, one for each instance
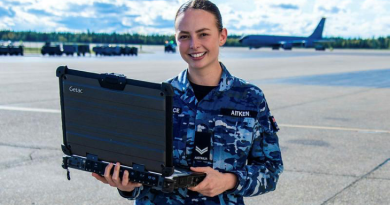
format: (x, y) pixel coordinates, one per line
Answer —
(286, 42)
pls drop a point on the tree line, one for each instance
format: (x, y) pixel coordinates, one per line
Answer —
(354, 43)
(156, 39)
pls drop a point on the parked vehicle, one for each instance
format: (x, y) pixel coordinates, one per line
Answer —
(115, 50)
(11, 50)
(15, 50)
(3, 50)
(83, 49)
(129, 51)
(170, 47)
(98, 50)
(319, 47)
(69, 50)
(51, 50)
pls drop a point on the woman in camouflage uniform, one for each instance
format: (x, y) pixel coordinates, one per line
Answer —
(222, 124)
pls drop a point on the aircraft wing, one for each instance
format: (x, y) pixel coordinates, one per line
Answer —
(324, 41)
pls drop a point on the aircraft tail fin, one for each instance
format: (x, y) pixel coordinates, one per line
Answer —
(317, 34)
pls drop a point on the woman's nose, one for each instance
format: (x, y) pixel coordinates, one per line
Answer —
(194, 43)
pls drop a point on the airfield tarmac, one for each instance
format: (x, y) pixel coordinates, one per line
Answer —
(332, 108)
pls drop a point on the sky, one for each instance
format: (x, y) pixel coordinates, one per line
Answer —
(345, 18)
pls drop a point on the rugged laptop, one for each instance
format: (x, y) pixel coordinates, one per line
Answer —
(109, 118)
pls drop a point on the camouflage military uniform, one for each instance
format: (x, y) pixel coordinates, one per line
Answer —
(244, 141)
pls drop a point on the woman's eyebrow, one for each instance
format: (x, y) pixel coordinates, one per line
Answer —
(198, 31)
(201, 30)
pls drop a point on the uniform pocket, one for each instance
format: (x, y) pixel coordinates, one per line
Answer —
(233, 138)
(237, 128)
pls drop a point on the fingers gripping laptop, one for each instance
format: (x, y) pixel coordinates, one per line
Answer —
(109, 118)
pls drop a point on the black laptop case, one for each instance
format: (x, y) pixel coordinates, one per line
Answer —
(109, 118)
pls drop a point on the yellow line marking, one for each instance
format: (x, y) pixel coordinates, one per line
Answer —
(334, 128)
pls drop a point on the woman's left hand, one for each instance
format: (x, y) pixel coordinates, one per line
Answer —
(215, 182)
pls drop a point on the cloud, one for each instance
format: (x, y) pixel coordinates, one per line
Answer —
(84, 23)
(15, 3)
(376, 6)
(77, 9)
(160, 22)
(333, 10)
(347, 18)
(39, 12)
(109, 8)
(286, 6)
(7, 12)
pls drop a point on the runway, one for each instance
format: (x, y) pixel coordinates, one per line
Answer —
(332, 108)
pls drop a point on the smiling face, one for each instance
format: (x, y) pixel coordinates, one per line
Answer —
(198, 38)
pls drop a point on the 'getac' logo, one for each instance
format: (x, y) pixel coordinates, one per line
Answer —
(75, 90)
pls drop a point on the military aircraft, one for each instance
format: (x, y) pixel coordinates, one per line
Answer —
(286, 42)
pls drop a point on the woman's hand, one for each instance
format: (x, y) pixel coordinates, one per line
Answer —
(215, 182)
(115, 181)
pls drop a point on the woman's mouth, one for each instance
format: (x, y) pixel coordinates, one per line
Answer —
(197, 56)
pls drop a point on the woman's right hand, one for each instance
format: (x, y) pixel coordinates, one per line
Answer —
(115, 181)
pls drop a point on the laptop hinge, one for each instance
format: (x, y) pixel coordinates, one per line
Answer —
(167, 171)
(92, 157)
(139, 167)
(66, 150)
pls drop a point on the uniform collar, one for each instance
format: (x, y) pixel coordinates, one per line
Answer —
(225, 83)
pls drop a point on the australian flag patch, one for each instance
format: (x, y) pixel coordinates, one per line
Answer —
(273, 123)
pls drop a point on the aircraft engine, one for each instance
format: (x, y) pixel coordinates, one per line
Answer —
(309, 44)
(287, 46)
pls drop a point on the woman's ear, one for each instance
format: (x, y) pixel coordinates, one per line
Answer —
(222, 37)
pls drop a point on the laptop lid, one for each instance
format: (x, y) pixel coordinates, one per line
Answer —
(117, 119)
